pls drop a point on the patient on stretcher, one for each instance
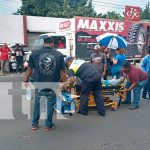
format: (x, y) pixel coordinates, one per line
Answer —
(112, 82)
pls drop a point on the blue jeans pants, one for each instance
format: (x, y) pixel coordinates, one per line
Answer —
(116, 71)
(147, 88)
(51, 99)
(136, 92)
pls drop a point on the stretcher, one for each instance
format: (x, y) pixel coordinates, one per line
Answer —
(118, 91)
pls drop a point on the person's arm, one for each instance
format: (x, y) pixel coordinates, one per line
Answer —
(29, 69)
(105, 65)
(62, 70)
(28, 74)
(143, 64)
(133, 85)
(63, 75)
(115, 60)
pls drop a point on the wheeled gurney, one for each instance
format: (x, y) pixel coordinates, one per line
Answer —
(118, 91)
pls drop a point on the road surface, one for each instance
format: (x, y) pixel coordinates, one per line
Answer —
(123, 129)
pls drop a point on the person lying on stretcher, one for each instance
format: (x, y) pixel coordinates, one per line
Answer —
(112, 82)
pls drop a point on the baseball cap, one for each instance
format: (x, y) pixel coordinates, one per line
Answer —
(96, 47)
(68, 59)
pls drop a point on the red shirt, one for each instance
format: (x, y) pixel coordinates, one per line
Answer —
(4, 53)
(136, 75)
(61, 45)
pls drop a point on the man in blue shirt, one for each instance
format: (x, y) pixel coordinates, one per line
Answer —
(145, 66)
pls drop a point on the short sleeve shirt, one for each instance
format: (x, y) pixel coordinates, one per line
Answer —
(121, 59)
(46, 64)
(136, 75)
(98, 60)
(4, 53)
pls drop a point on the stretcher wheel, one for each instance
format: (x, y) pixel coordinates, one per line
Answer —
(114, 106)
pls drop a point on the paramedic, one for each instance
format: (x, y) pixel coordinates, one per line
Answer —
(45, 65)
(136, 80)
(90, 81)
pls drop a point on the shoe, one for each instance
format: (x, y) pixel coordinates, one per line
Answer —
(133, 107)
(34, 127)
(83, 113)
(102, 114)
(50, 128)
(125, 102)
(144, 97)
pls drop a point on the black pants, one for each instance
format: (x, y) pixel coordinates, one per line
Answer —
(86, 88)
(19, 63)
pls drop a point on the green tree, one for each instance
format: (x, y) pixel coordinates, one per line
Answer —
(86, 10)
(56, 8)
(110, 15)
(145, 14)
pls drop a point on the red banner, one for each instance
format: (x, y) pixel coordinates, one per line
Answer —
(132, 13)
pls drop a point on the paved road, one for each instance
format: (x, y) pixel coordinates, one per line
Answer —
(119, 130)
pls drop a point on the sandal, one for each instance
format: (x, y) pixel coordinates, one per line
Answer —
(47, 129)
(34, 127)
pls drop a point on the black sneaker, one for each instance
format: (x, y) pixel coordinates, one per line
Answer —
(102, 114)
(144, 97)
(83, 113)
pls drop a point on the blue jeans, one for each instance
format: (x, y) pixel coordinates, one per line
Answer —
(116, 71)
(136, 92)
(146, 88)
(51, 99)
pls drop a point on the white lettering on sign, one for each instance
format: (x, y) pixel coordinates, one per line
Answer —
(93, 25)
(133, 13)
(65, 25)
(111, 26)
(102, 25)
(83, 24)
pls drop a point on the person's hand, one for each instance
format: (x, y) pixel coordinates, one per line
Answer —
(26, 84)
(127, 90)
(104, 73)
(64, 86)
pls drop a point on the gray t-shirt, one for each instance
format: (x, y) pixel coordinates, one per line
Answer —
(98, 60)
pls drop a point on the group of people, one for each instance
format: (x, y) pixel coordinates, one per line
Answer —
(48, 65)
(5, 56)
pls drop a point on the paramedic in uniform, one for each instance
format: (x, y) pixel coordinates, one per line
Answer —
(90, 81)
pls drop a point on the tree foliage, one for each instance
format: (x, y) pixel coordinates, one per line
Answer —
(145, 15)
(69, 9)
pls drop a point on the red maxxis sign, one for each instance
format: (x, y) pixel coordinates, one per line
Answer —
(132, 13)
(65, 25)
